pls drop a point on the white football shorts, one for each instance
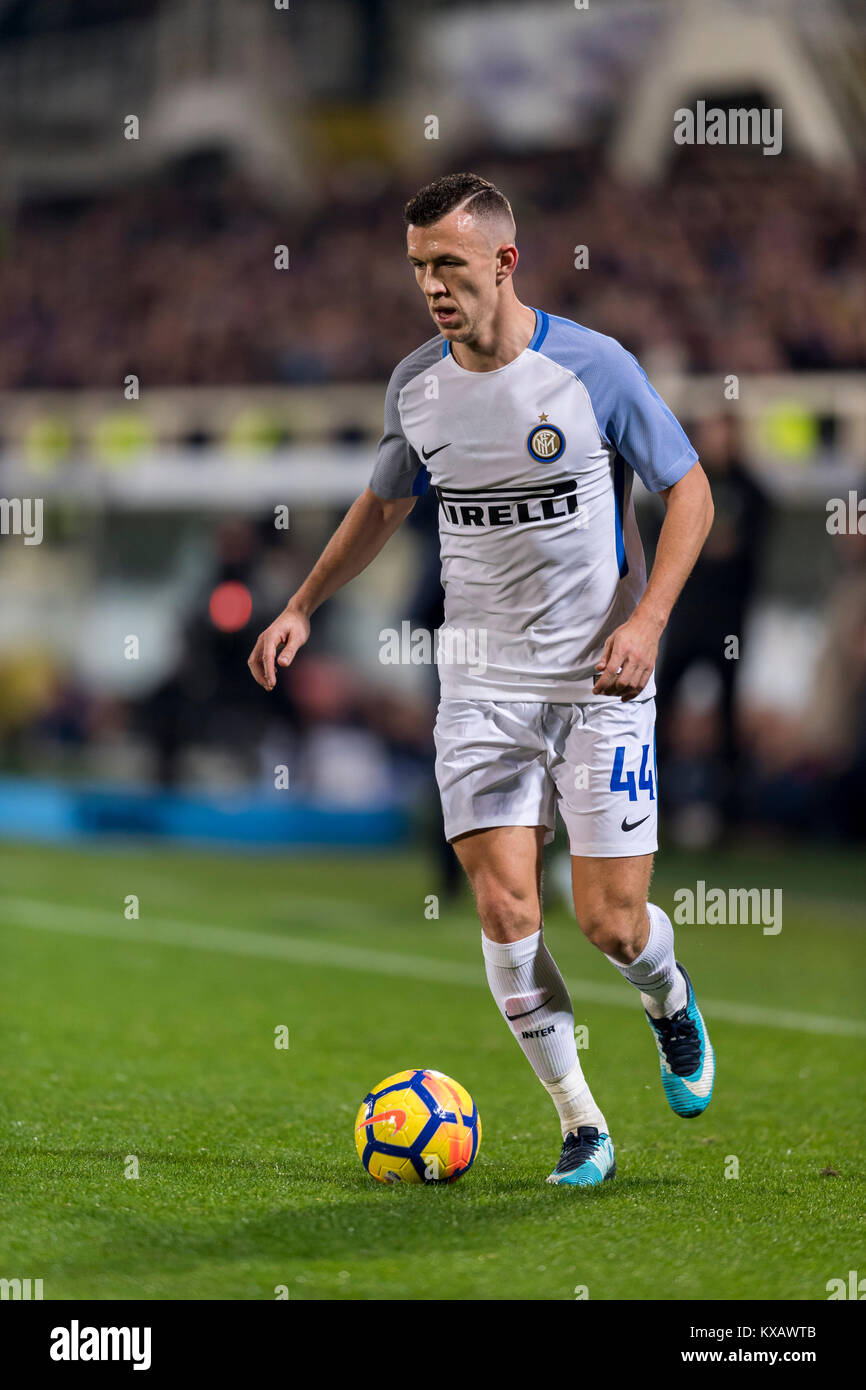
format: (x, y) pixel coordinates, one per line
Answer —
(514, 763)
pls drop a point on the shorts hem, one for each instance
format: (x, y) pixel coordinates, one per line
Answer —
(517, 819)
(605, 852)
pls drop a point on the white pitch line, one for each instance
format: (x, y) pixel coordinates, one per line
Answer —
(255, 945)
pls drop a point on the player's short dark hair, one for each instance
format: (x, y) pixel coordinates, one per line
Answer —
(443, 195)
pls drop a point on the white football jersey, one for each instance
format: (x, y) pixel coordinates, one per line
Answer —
(532, 464)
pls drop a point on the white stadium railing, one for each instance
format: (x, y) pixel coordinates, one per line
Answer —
(200, 447)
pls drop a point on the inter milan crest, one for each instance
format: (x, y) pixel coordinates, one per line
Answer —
(546, 442)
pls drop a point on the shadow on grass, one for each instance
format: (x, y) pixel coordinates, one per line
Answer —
(313, 1176)
(182, 1158)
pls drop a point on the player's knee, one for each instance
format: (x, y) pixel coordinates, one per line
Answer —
(506, 914)
(618, 931)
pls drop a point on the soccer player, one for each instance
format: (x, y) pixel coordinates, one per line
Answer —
(530, 428)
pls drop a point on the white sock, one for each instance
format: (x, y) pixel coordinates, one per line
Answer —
(654, 972)
(574, 1102)
(531, 993)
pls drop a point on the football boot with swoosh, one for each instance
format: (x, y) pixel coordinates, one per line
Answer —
(587, 1159)
(688, 1066)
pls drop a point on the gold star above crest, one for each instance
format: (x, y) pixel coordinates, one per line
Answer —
(542, 418)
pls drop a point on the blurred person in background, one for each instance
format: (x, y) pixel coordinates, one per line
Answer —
(810, 767)
(714, 606)
(426, 610)
(835, 718)
(203, 701)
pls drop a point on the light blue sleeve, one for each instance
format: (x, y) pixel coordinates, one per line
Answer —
(398, 471)
(631, 415)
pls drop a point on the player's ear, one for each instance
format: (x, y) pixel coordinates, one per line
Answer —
(506, 262)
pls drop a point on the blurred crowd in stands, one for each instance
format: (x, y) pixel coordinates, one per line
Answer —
(717, 268)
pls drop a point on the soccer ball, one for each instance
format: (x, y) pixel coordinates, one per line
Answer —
(418, 1126)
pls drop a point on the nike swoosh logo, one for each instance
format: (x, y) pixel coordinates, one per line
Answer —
(531, 1011)
(425, 455)
(634, 825)
(699, 1088)
(392, 1115)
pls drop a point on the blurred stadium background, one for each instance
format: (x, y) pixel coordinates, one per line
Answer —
(164, 387)
(168, 392)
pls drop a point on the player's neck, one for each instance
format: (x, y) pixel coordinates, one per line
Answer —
(505, 338)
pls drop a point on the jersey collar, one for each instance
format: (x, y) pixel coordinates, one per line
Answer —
(542, 323)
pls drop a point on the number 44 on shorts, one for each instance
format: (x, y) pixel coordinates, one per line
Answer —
(644, 783)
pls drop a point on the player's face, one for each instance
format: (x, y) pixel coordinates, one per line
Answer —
(456, 267)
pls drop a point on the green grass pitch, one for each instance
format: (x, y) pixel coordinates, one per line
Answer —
(153, 1039)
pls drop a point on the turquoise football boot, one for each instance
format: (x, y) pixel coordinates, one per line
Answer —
(586, 1159)
(688, 1066)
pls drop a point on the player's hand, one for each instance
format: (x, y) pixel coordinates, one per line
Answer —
(628, 659)
(289, 631)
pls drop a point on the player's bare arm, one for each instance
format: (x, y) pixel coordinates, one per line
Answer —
(364, 530)
(631, 649)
